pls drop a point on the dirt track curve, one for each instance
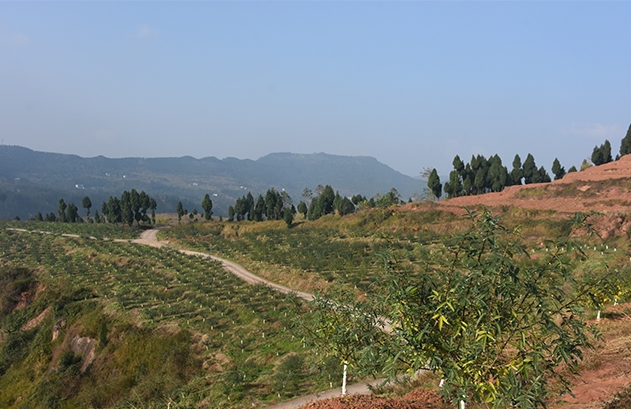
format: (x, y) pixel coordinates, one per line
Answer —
(150, 238)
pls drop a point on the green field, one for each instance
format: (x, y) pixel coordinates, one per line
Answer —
(234, 337)
(327, 250)
(100, 231)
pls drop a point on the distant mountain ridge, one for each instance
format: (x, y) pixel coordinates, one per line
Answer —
(32, 181)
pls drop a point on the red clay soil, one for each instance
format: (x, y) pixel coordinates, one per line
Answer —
(417, 399)
(591, 190)
(607, 369)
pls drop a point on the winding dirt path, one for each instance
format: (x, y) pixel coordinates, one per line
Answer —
(356, 389)
(150, 238)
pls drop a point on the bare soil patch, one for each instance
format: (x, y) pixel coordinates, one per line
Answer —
(417, 399)
(605, 188)
(36, 321)
(607, 368)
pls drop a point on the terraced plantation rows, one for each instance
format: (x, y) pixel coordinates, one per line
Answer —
(112, 231)
(329, 254)
(245, 331)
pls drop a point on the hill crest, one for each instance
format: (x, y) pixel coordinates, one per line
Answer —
(605, 188)
(32, 181)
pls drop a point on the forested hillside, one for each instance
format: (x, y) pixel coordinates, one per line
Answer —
(32, 182)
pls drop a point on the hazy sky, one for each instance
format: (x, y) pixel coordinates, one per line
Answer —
(410, 83)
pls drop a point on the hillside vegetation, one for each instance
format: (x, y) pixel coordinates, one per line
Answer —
(605, 188)
(32, 181)
(92, 323)
(346, 249)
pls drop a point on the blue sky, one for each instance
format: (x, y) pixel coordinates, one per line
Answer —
(410, 83)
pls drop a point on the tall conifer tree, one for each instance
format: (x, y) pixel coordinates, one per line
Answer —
(625, 146)
(433, 182)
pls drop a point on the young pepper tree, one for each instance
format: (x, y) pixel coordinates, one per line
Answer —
(491, 321)
(344, 328)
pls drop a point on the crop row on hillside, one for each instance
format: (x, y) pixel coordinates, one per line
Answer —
(326, 254)
(344, 249)
(236, 336)
(100, 231)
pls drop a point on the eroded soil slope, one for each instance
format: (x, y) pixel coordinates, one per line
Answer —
(605, 188)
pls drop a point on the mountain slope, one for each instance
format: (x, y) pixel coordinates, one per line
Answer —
(29, 178)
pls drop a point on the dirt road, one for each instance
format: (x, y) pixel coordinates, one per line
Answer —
(150, 238)
(357, 389)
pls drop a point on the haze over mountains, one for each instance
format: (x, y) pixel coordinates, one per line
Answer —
(32, 181)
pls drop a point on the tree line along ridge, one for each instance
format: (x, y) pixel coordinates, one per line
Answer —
(482, 175)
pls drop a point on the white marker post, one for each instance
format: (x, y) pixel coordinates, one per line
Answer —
(344, 379)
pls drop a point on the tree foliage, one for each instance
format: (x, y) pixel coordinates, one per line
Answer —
(289, 374)
(325, 200)
(392, 198)
(207, 205)
(343, 205)
(288, 217)
(433, 182)
(61, 210)
(179, 210)
(625, 145)
(86, 203)
(557, 169)
(273, 204)
(490, 321)
(72, 213)
(602, 154)
(302, 209)
(517, 173)
(530, 170)
(344, 330)
(132, 207)
(479, 176)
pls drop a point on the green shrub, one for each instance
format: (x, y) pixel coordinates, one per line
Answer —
(289, 374)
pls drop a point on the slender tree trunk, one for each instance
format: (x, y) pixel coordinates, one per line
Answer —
(344, 380)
